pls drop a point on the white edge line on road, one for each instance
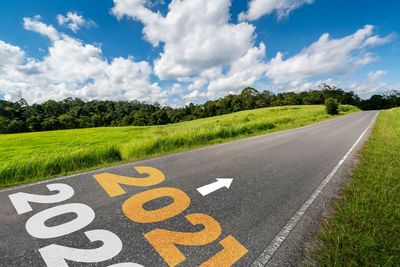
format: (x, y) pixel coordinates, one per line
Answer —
(273, 246)
(174, 154)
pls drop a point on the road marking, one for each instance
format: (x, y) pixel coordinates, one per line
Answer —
(209, 188)
(133, 207)
(21, 200)
(55, 255)
(111, 183)
(231, 253)
(273, 246)
(165, 241)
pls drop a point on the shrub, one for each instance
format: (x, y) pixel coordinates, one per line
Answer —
(332, 106)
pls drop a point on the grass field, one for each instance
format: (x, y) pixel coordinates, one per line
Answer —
(364, 229)
(33, 156)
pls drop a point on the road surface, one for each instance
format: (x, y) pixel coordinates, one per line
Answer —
(172, 211)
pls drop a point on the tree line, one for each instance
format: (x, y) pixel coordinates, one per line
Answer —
(73, 113)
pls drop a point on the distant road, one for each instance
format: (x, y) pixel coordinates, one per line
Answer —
(280, 185)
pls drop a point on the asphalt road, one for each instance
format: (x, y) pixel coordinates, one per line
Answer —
(101, 218)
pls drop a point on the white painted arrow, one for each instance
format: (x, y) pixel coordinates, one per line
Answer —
(221, 182)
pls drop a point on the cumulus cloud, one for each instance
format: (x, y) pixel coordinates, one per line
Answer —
(194, 96)
(34, 24)
(203, 49)
(230, 60)
(326, 57)
(196, 35)
(10, 56)
(72, 68)
(243, 72)
(204, 56)
(259, 8)
(74, 21)
(372, 85)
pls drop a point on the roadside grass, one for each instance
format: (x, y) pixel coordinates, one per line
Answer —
(33, 156)
(364, 229)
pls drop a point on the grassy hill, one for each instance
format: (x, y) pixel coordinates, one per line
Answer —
(32, 156)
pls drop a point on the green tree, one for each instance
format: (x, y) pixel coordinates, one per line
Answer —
(67, 121)
(126, 120)
(34, 123)
(16, 126)
(140, 118)
(50, 124)
(3, 124)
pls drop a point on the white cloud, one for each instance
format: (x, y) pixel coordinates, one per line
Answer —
(230, 60)
(201, 47)
(259, 8)
(376, 75)
(372, 85)
(72, 69)
(376, 40)
(202, 51)
(326, 57)
(196, 35)
(194, 96)
(242, 73)
(34, 24)
(74, 21)
(11, 56)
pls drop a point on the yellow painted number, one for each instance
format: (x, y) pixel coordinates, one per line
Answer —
(231, 253)
(165, 241)
(111, 183)
(134, 210)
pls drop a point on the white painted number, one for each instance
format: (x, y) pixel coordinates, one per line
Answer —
(36, 227)
(21, 200)
(56, 255)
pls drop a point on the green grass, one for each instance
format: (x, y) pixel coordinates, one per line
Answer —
(33, 156)
(364, 229)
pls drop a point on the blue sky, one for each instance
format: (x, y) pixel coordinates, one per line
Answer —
(191, 52)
